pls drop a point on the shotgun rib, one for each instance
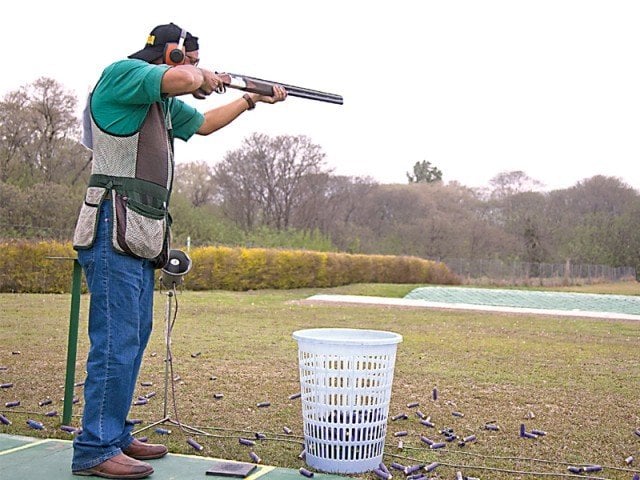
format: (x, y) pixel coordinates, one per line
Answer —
(265, 87)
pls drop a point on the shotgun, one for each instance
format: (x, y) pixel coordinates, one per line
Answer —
(265, 87)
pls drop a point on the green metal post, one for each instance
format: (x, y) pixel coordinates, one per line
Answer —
(72, 344)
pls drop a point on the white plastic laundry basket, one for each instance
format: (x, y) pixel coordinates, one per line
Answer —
(345, 379)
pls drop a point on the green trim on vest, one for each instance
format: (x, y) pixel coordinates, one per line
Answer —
(139, 191)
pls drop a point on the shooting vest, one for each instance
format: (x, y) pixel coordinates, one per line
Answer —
(134, 173)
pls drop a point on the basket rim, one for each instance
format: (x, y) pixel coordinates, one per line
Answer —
(347, 336)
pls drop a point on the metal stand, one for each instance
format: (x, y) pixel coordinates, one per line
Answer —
(168, 362)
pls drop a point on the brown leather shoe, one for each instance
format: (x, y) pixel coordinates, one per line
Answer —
(145, 451)
(119, 466)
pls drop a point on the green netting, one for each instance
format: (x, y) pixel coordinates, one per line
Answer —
(529, 299)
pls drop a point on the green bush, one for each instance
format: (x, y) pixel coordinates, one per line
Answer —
(46, 267)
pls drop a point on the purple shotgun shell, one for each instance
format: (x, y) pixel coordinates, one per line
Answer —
(295, 395)
(142, 401)
(218, 396)
(255, 457)
(67, 428)
(457, 414)
(402, 433)
(383, 467)
(420, 415)
(263, 404)
(196, 354)
(469, 438)
(6, 385)
(305, 472)
(427, 423)
(529, 435)
(629, 460)
(426, 440)
(52, 413)
(12, 404)
(195, 444)
(400, 416)
(134, 421)
(540, 433)
(48, 401)
(146, 384)
(637, 431)
(435, 394)
(636, 476)
(492, 426)
(260, 436)
(286, 430)
(246, 441)
(400, 445)
(437, 445)
(35, 425)
(163, 431)
(522, 429)
(592, 468)
(397, 466)
(416, 476)
(431, 467)
(4, 420)
(413, 468)
(413, 404)
(150, 395)
(382, 474)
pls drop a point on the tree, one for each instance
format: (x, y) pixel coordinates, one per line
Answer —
(262, 183)
(195, 181)
(424, 172)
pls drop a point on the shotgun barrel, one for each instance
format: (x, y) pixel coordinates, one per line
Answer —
(265, 87)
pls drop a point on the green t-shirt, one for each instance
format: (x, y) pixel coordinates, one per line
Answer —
(121, 99)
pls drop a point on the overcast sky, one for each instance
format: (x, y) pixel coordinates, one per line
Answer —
(476, 87)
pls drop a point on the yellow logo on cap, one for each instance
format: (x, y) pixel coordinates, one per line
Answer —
(151, 39)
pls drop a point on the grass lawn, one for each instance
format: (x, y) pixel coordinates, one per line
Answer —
(577, 379)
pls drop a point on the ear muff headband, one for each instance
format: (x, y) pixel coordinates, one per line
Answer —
(174, 53)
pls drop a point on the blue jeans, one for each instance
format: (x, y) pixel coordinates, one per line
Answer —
(120, 322)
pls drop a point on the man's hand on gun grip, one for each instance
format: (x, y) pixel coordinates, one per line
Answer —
(210, 83)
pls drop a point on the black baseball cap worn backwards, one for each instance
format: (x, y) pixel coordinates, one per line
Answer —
(159, 37)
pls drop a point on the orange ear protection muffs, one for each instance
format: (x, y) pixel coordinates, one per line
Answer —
(174, 52)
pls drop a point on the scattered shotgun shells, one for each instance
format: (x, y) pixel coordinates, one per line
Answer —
(4, 420)
(52, 413)
(150, 395)
(305, 472)
(146, 384)
(263, 404)
(68, 428)
(195, 444)
(427, 423)
(416, 476)
(397, 466)
(260, 436)
(382, 474)
(213, 377)
(246, 441)
(255, 457)
(491, 426)
(400, 445)
(6, 385)
(383, 467)
(400, 416)
(78, 384)
(629, 460)
(295, 395)
(431, 467)
(591, 468)
(637, 431)
(636, 476)
(402, 433)
(163, 431)
(218, 396)
(302, 455)
(12, 404)
(529, 435)
(15, 352)
(286, 430)
(459, 475)
(522, 429)
(48, 401)
(2, 367)
(426, 440)
(413, 404)
(420, 415)
(540, 433)
(469, 438)
(196, 354)
(434, 393)
(457, 414)
(35, 425)
(437, 445)
(134, 421)
(142, 401)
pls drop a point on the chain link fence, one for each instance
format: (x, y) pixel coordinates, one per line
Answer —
(525, 273)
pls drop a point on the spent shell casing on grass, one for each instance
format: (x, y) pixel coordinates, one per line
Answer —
(195, 444)
(420, 415)
(417, 476)
(15, 403)
(401, 433)
(150, 395)
(413, 468)
(255, 457)
(260, 436)
(427, 423)
(163, 431)
(246, 441)
(302, 455)
(142, 401)
(52, 413)
(4, 420)
(492, 426)
(263, 404)
(457, 414)
(397, 466)
(413, 404)
(540, 433)
(286, 430)
(35, 424)
(437, 445)
(42, 403)
(6, 385)
(196, 354)
(400, 416)
(218, 396)
(143, 439)
(426, 440)
(134, 421)
(146, 384)
(382, 474)
(383, 467)
(636, 476)
(434, 394)
(67, 428)
(431, 467)
(469, 438)
(400, 445)
(529, 435)
(574, 469)
(305, 472)
(637, 431)
(591, 468)
(295, 395)
(459, 475)
(523, 429)
(629, 460)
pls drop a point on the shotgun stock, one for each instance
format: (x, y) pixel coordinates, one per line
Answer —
(265, 87)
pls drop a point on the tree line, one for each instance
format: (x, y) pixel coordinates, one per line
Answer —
(278, 191)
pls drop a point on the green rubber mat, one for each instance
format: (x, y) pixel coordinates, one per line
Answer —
(585, 302)
(23, 458)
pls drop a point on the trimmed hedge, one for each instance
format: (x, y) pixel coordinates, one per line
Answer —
(28, 267)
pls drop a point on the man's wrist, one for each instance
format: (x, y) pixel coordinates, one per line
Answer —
(249, 101)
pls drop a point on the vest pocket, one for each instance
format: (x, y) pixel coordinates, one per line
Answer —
(139, 229)
(86, 225)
